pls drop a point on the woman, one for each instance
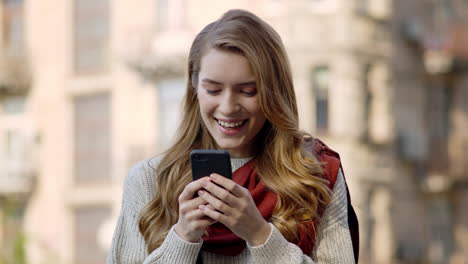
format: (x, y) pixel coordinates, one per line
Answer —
(287, 202)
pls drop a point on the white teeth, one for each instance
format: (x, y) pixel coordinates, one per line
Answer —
(230, 124)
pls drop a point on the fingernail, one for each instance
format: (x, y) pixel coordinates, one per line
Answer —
(201, 206)
(213, 176)
(201, 192)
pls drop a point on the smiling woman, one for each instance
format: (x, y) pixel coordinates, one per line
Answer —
(287, 201)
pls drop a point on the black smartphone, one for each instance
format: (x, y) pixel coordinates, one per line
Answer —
(207, 161)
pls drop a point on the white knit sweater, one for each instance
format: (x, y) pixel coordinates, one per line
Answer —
(333, 241)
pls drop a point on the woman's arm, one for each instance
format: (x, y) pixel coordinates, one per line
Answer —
(333, 240)
(128, 245)
(334, 243)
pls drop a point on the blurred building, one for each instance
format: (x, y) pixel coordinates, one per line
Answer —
(89, 87)
(17, 142)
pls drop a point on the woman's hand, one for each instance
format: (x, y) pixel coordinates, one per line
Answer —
(236, 209)
(192, 222)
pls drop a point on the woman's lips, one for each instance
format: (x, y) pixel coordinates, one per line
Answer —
(227, 126)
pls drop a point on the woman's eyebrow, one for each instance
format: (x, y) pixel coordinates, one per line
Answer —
(210, 81)
(249, 83)
(206, 80)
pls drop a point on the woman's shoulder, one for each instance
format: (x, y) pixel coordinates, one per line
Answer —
(144, 169)
(329, 159)
(146, 166)
(319, 149)
(141, 179)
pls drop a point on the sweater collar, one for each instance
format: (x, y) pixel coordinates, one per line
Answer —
(236, 163)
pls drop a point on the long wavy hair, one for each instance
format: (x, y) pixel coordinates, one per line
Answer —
(283, 163)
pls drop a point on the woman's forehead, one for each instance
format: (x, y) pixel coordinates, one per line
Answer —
(225, 67)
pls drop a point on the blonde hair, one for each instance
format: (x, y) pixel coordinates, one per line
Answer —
(281, 158)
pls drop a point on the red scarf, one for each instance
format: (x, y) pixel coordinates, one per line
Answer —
(221, 240)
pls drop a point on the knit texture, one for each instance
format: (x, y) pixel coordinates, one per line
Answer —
(333, 243)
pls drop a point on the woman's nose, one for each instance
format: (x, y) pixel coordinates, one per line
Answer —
(229, 104)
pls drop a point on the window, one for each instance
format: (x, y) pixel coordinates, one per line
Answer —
(91, 36)
(13, 26)
(438, 117)
(12, 142)
(320, 85)
(88, 221)
(92, 121)
(171, 92)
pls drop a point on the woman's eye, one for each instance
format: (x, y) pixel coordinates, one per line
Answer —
(249, 93)
(213, 91)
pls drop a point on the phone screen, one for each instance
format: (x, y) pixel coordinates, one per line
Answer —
(207, 161)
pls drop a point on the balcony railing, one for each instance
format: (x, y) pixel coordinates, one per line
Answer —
(17, 176)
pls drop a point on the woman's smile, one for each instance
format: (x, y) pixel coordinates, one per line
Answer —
(231, 127)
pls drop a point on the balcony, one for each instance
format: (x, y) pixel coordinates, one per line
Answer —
(18, 166)
(17, 177)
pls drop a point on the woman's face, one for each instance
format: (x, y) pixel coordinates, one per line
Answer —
(228, 99)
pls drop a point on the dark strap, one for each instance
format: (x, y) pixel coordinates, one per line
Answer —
(354, 230)
(199, 258)
(353, 223)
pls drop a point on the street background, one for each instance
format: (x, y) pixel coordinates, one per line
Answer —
(90, 87)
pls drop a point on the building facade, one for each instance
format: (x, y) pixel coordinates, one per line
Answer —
(89, 87)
